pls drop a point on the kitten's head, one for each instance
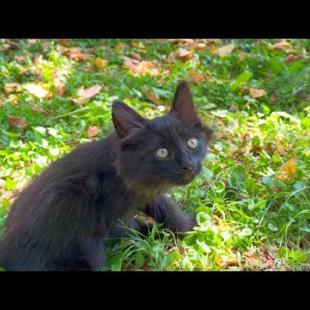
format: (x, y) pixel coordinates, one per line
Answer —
(166, 150)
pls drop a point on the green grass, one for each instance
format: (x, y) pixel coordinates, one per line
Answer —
(253, 214)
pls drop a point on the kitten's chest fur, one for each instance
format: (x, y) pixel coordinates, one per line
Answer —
(115, 199)
(119, 200)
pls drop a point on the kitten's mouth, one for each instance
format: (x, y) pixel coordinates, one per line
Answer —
(185, 179)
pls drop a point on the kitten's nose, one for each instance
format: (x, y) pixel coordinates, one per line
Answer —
(188, 166)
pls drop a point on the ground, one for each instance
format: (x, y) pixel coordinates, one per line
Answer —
(252, 199)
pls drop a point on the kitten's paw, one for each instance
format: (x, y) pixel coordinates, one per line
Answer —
(187, 223)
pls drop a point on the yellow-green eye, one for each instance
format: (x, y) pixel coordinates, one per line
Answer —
(192, 143)
(162, 153)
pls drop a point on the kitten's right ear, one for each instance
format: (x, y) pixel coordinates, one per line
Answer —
(125, 119)
(183, 105)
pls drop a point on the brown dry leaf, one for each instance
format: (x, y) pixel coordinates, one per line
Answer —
(148, 67)
(87, 93)
(184, 41)
(32, 41)
(288, 171)
(184, 54)
(59, 85)
(273, 98)
(16, 122)
(36, 90)
(165, 74)
(59, 78)
(100, 63)
(6, 47)
(198, 77)
(282, 45)
(20, 59)
(73, 53)
(290, 58)
(132, 65)
(63, 41)
(257, 93)
(140, 68)
(93, 131)
(136, 56)
(38, 60)
(225, 261)
(250, 258)
(119, 48)
(225, 50)
(11, 87)
(138, 45)
(200, 46)
(152, 96)
(38, 109)
(242, 56)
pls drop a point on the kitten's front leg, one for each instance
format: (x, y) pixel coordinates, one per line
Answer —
(123, 231)
(164, 210)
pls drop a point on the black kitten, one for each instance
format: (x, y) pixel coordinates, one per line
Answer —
(61, 220)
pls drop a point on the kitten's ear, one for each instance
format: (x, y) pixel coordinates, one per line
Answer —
(125, 119)
(183, 104)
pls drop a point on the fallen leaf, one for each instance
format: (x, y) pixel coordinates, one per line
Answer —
(16, 122)
(198, 77)
(86, 93)
(32, 41)
(89, 92)
(11, 87)
(6, 47)
(257, 93)
(290, 58)
(225, 50)
(288, 171)
(93, 131)
(225, 261)
(211, 41)
(282, 45)
(59, 78)
(138, 45)
(183, 41)
(152, 96)
(132, 65)
(250, 259)
(100, 63)
(73, 53)
(273, 98)
(20, 59)
(184, 54)
(63, 41)
(135, 56)
(59, 85)
(38, 109)
(38, 60)
(242, 56)
(201, 46)
(36, 90)
(148, 67)
(141, 68)
(165, 74)
(120, 47)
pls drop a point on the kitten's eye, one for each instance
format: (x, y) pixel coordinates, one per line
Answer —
(162, 153)
(192, 143)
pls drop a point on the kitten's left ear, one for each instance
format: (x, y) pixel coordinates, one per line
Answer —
(183, 104)
(125, 119)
